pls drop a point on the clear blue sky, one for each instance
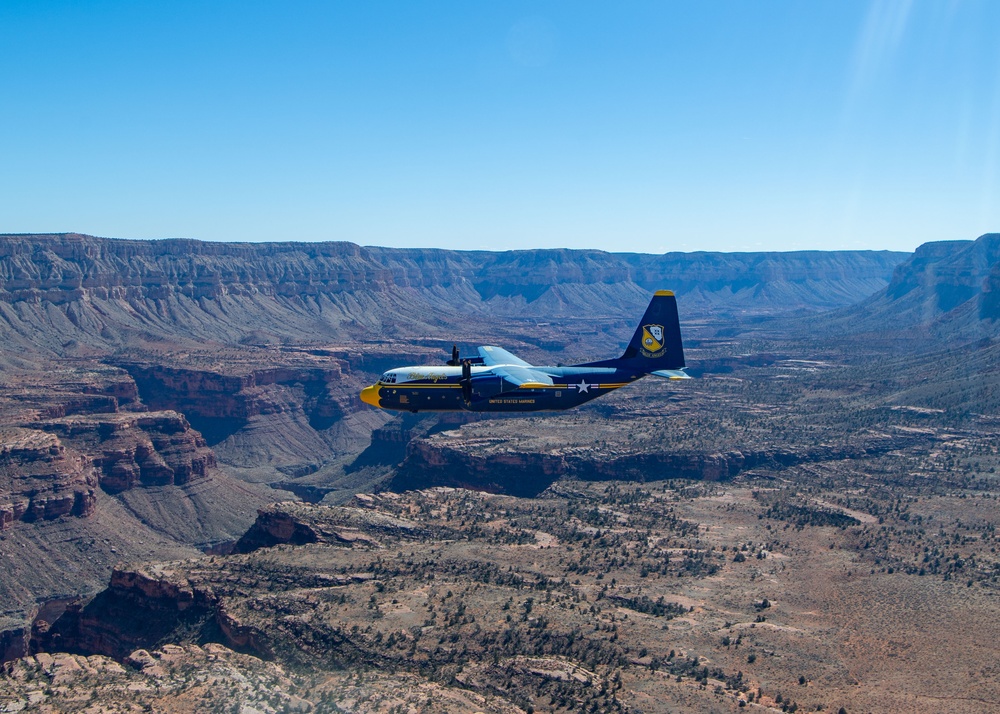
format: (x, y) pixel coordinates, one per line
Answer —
(646, 126)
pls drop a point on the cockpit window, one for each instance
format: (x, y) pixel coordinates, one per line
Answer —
(388, 378)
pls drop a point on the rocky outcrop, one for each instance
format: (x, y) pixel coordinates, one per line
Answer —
(298, 524)
(156, 680)
(143, 605)
(274, 526)
(137, 449)
(497, 466)
(50, 469)
(138, 609)
(159, 583)
(41, 479)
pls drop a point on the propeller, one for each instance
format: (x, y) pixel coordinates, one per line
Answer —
(466, 380)
(455, 360)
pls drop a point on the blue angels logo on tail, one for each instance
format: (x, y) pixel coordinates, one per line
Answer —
(652, 341)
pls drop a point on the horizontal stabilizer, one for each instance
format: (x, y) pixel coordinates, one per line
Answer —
(671, 374)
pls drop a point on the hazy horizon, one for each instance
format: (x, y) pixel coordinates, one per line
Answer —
(651, 127)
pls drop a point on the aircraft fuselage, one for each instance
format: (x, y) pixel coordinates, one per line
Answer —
(431, 388)
(498, 381)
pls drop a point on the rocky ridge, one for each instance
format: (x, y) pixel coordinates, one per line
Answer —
(41, 480)
(945, 289)
(299, 524)
(526, 466)
(55, 289)
(51, 468)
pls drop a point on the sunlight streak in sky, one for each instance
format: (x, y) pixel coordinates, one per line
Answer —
(880, 38)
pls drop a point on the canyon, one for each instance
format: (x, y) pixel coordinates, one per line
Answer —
(158, 397)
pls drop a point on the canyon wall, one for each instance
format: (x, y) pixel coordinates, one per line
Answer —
(452, 460)
(59, 291)
(946, 289)
(54, 467)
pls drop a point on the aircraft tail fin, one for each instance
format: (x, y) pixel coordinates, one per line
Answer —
(656, 344)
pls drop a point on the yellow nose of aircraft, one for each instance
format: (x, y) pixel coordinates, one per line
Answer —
(369, 395)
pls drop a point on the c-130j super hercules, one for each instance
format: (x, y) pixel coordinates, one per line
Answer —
(497, 381)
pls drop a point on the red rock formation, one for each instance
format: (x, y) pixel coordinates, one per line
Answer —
(210, 394)
(41, 479)
(139, 449)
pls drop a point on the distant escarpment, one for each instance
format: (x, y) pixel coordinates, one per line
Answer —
(946, 288)
(57, 289)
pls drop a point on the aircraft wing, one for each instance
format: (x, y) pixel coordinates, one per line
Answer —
(497, 355)
(520, 376)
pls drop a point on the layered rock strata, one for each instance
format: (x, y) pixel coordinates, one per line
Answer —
(474, 465)
(222, 402)
(945, 289)
(40, 479)
(98, 291)
(53, 468)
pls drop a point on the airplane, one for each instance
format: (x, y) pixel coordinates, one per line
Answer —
(497, 381)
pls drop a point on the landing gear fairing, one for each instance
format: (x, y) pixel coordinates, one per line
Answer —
(497, 381)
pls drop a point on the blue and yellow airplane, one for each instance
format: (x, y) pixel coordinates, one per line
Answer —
(497, 381)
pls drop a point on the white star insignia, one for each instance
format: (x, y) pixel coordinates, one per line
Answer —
(583, 386)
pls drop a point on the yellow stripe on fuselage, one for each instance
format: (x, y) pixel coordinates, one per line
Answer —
(410, 385)
(526, 385)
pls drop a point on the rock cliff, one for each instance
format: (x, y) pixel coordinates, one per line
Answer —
(498, 465)
(55, 289)
(945, 289)
(137, 449)
(80, 492)
(221, 403)
(40, 479)
(53, 468)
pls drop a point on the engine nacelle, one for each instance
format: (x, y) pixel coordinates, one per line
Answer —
(486, 386)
